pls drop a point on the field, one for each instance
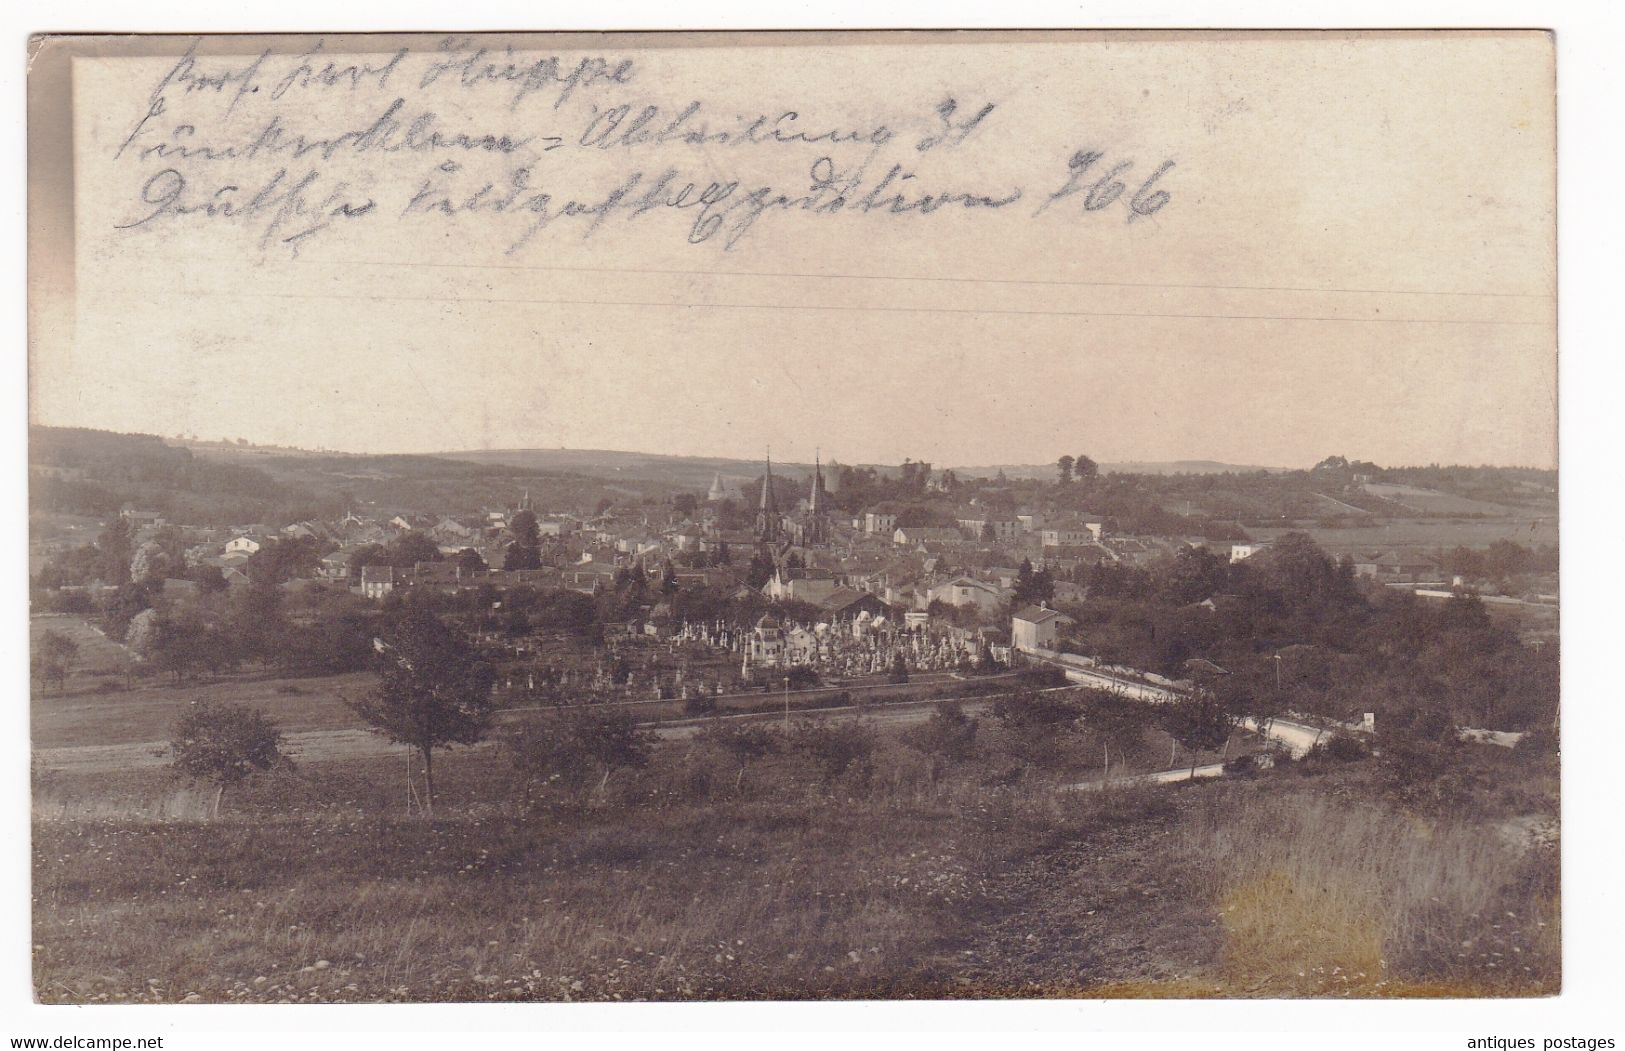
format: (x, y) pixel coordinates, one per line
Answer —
(98, 706)
(1433, 502)
(1421, 535)
(677, 885)
(891, 866)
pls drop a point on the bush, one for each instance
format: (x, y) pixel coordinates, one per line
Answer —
(224, 745)
(801, 677)
(1538, 744)
(740, 744)
(1029, 711)
(836, 747)
(949, 734)
(575, 748)
(1041, 677)
(700, 704)
(1343, 749)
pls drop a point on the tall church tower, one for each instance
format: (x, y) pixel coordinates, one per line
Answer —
(817, 529)
(769, 523)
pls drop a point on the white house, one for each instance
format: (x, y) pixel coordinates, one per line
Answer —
(965, 591)
(1035, 627)
(1072, 533)
(927, 535)
(377, 581)
(879, 521)
(1003, 527)
(1242, 552)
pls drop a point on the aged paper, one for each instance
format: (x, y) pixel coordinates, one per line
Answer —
(827, 220)
(790, 516)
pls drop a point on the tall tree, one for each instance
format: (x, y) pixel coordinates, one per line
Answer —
(434, 690)
(1084, 469)
(256, 619)
(526, 550)
(1064, 465)
(410, 548)
(1032, 588)
(116, 543)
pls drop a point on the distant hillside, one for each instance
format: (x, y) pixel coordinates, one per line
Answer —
(96, 473)
(688, 472)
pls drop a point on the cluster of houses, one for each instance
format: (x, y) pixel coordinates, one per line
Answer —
(847, 565)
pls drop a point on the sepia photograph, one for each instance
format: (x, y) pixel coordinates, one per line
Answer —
(793, 516)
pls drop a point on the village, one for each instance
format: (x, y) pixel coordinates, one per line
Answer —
(766, 582)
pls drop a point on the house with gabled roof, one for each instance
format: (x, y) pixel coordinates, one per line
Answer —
(1036, 628)
(377, 581)
(968, 591)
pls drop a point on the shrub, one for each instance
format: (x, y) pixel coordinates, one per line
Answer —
(741, 743)
(1538, 744)
(1029, 711)
(949, 734)
(801, 677)
(836, 747)
(1343, 749)
(1041, 677)
(577, 747)
(224, 745)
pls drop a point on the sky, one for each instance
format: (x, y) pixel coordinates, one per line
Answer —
(1355, 258)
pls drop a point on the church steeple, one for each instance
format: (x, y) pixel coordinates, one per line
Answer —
(816, 528)
(769, 525)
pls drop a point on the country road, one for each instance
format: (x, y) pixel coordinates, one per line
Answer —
(314, 746)
(1299, 739)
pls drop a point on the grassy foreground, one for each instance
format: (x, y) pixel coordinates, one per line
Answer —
(892, 880)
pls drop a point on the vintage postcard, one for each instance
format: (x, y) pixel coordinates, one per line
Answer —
(793, 516)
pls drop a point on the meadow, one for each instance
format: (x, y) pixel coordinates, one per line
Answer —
(899, 876)
(1419, 535)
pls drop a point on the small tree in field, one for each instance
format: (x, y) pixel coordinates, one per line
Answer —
(948, 737)
(1200, 721)
(224, 745)
(611, 741)
(742, 743)
(835, 746)
(574, 748)
(434, 691)
(1036, 725)
(54, 655)
(1114, 721)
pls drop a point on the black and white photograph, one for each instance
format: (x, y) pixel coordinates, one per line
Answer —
(534, 518)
